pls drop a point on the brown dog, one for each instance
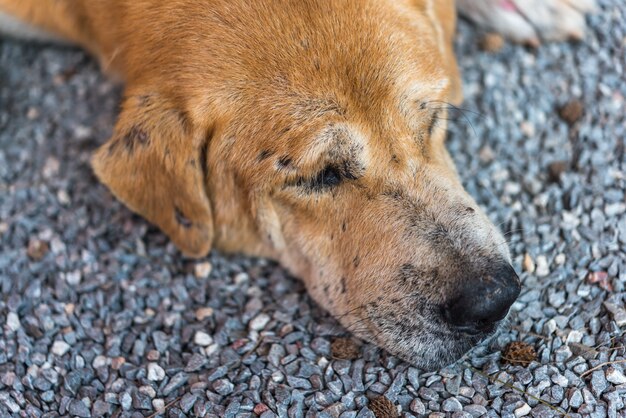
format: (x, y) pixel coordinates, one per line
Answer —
(311, 132)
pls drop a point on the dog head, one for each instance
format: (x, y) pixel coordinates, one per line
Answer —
(313, 133)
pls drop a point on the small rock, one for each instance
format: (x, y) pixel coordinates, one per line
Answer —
(617, 312)
(528, 264)
(60, 348)
(601, 278)
(175, 382)
(223, 387)
(155, 372)
(615, 376)
(158, 404)
(13, 321)
(37, 249)
(195, 363)
(79, 409)
(117, 362)
(522, 411)
(598, 383)
(260, 408)
(203, 313)
(259, 322)
(542, 269)
(418, 407)
(187, 402)
(100, 408)
(452, 405)
(126, 401)
(203, 270)
(202, 339)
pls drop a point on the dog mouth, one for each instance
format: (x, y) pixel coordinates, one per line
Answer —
(427, 344)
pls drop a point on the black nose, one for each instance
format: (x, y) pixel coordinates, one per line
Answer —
(484, 300)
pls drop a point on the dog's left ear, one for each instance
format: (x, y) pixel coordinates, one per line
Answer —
(155, 163)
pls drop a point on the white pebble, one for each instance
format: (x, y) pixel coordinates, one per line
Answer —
(60, 348)
(259, 322)
(99, 361)
(13, 321)
(203, 270)
(202, 339)
(148, 390)
(73, 278)
(615, 376)
(210, 350)
(522, 411)
(158, 404)
(155, 372)
(543, 268)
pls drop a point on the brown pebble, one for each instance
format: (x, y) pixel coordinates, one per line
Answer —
(556, 169)
(382, 407)
(492, 42)
(519, 353)
(260, 408)
(529, 263)
(572, 111)
(344, 349)
(117, 362)
(601, 278)
(37, 249)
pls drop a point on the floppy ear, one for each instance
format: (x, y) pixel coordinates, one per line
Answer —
(155, 163)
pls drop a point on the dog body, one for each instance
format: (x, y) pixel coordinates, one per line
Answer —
(310, 132)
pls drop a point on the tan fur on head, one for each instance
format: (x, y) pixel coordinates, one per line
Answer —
(308, 131)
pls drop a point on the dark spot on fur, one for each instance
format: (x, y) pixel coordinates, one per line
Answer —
(263, 155)
(394, 159)
(181, 219)
(433, 124)
(470, 210)
(192, 163)
(326, 289)
(356, 261)
(342, 285)
(407, 273)
(203, 157)
(134, 137)
(185, 121)
(284, 162)
(344, 226)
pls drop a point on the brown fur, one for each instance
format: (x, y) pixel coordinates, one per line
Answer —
(311, 132)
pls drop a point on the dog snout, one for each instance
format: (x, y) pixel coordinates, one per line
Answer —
(484, 300)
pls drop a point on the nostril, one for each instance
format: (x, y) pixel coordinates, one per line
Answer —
(483, 302)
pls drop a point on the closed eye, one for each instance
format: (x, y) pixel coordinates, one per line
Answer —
(329, 177)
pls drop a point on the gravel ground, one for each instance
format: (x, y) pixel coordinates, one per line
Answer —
(100, 315)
